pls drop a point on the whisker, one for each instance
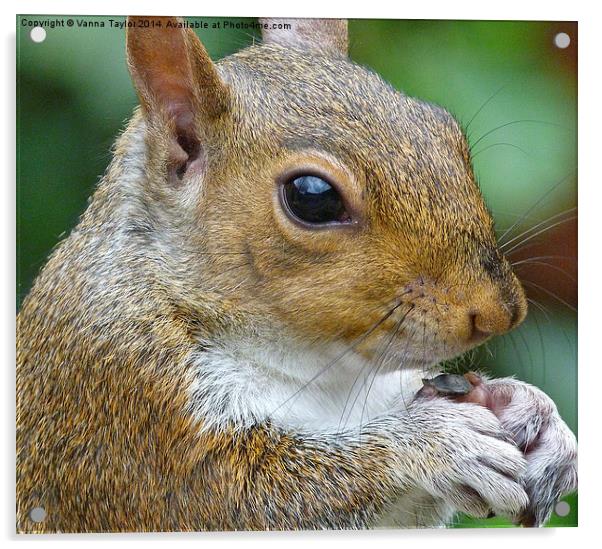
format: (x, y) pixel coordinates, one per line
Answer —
(537, 225)
(342, 355)
(513, 122)
(540, 307)
(405, 352)
(368, 364)
(528, 349)
(528, 262)
(488, 350)
(550, 293)
(383, 358)
(531, 237)
(516, 351)
(474, 155)
(544, 310)
(542, 346)
(544, 257)
(480, 109)
(535, 205)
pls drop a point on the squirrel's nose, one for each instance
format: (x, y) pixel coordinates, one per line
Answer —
(476, 333)
(493, 319)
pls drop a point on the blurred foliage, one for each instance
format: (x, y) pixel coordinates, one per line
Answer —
(506, 82)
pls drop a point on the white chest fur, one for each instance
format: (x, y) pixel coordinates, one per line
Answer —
(329, 388)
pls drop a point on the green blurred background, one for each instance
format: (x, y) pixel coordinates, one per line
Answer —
(508, 83)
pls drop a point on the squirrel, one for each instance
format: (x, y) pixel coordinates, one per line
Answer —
(233, 335)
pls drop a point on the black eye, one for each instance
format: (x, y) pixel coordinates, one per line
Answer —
(313, 200)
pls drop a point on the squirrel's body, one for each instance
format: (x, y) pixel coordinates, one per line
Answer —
(174, 372)
(130, 368)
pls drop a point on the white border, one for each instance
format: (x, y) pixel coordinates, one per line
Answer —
(590, 124)
(459, 9)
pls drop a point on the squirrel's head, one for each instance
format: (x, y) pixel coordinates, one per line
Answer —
(307, 191)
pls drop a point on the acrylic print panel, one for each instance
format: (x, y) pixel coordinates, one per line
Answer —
(260, 262)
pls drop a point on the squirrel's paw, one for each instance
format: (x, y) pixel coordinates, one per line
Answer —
(471, 463)
(531, 417)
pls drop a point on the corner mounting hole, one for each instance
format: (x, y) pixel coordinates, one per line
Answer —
(37, 514)
(562, 40)
(562, 509)
(38, 34)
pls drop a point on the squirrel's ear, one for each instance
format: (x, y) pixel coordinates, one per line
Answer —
(177, 83)
(325, 35)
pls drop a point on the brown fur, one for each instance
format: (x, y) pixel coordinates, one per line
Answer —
(179, 243)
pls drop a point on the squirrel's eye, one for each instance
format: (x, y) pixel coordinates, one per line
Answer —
(314, 200)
